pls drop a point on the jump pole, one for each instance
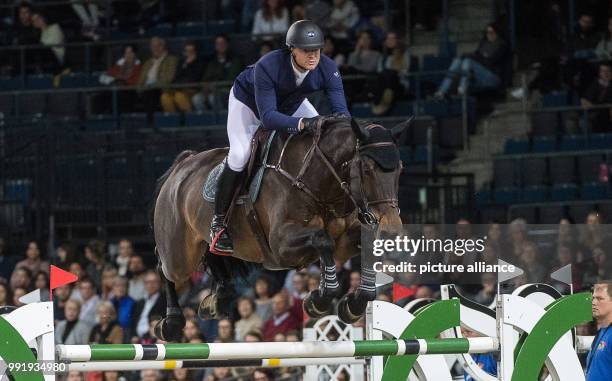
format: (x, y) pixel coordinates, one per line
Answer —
(236, 351)
(198, 364)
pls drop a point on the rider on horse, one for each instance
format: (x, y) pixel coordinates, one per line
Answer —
(272, 94)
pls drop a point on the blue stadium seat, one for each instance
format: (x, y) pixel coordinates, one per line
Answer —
(74, 80)
(10, 83)
(482, 197)
(160, 30)
(39, 81)
(166, 120)
(594, 191)
(506, 196)
(543, 144)
(405, 154)
(533, 194)
(101, 122)
(555, 99)
(215, 27)
(600, 141)
(361, 110)
(200, 119)
(18, 189)
(573, 143)
(564, 192)
(420, 154)
(189, 29)
(516, 146)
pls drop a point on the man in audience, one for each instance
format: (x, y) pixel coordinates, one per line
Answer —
(157, 72)
(599, 92)
(189, 71)
(599, 360)
(153, 303)
(123, 258)
(282, 320)
(89, 301)
(136, 271)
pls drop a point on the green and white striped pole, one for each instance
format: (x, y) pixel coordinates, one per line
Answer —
(304, 349)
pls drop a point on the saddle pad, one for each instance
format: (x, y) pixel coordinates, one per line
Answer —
(210, 185)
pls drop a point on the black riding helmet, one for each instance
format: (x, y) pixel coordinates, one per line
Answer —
(305, 34)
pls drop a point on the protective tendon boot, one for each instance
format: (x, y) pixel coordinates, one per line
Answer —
(221, 242)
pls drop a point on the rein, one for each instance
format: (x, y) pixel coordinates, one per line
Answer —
(365, 214)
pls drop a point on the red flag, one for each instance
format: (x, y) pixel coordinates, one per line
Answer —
(60, 278)
(401, 292)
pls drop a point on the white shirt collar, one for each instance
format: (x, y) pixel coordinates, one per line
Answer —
(299, 76)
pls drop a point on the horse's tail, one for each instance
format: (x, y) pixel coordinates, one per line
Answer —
(162, 179)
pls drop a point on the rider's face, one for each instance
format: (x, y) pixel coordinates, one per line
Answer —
(307, 59)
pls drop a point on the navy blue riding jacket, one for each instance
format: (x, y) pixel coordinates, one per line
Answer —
(268, 88)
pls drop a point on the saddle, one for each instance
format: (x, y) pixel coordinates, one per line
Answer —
(260, 147)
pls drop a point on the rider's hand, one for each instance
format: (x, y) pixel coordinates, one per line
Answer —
(310, 124)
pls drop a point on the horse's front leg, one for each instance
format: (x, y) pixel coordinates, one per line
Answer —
(299, 246)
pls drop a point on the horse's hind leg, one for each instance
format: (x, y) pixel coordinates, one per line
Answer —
(170, 328)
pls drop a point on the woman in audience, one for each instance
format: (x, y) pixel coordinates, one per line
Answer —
(263, 298)
(52, 58)
(125, 72)
(21, 278)
(248, 318)
(72, 330)
(5, 295)
(192, 331)
(272, 18)
(481, 70)
(107, 331)
(41, 282)
(392, 80)
(109, 273)
(33, 261)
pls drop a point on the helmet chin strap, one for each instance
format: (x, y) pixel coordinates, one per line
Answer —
(296, 63)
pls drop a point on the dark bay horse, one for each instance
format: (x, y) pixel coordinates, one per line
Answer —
(318, 191)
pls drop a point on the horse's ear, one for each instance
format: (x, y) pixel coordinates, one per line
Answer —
(360, 131)
(397, 130)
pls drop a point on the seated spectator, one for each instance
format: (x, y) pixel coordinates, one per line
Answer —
(219, 374)
(585, 38)
(149, 337)
(603, 50)
(300, 286)
(221, 67)
(107, 331)
(157, 72)
(263, 374)
(192, 332)
(182, 374)
(64, 255)
(330, 50)
(599, 92)
(189, 71)
(17, 294)
(125, 72)
(153, 304)
(7, 262)
(136, 274)
(364, 58)
(89, 301)
(21, 278)
(89, 14)
(483, 69)
(126, 250)
(225, 331)
(392, 80)
(263, 300)
(486, 361)
(343, 18)
(41, 282)
(6, 298)
(249, 320)
(24, 32)
(95, 254)
(124, 305)
(72, 330)
(60, 296)
(253, 337)
(33, 261)
(318, 11)
(51, 59)
(597, 268)
(271, 18)
(486, 295)
(108, 278)
(533, 264)
(282, 320)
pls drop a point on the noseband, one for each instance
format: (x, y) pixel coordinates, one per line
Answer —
(353, 188)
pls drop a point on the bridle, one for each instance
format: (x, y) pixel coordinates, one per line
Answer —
(353, 188)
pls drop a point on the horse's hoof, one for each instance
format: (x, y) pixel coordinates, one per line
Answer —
(208, 308)
(170, 328)
(344, 312)
(317, 306)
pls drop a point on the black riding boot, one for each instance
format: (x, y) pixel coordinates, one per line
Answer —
(219, 236)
